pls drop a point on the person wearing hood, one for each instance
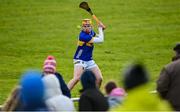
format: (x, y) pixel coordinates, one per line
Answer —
(32, 92)
(135, 82)
(168, 83)
(49, 68)
(55, 100)
(91, 98)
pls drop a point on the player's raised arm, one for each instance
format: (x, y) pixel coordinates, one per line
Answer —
(100, 37)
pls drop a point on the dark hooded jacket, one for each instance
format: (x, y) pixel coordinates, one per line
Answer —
(168, 84)
(64, 88)
(91, 98)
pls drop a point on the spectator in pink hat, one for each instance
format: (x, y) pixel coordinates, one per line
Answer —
(49, 65)
(49, 68)
(115, 94)
(116, 97)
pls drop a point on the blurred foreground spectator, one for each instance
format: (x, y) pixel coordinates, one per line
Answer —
(49, 68)
(91, 98)
(32, 92)
(168, 84)
(13, 102)
(55, 100)
(115, 94)
(138, 98)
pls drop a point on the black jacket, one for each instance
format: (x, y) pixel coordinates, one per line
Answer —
(64, 88)
(93, 100)
(168, 84)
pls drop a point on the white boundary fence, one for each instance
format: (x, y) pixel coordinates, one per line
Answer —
(75, 99)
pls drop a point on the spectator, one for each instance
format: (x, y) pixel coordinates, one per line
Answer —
(13, 102)
(91, 98)
(115, 94)
(49, 68)
(55, 100)
(168, 84)
(135, 76)
(32, 92)
(135, 81)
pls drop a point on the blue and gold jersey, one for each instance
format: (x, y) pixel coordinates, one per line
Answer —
(85, 46)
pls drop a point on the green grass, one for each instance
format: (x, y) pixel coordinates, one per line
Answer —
(144, 30)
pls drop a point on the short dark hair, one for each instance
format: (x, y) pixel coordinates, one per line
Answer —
(110, 86)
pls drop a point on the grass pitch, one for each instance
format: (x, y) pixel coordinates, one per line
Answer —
(144, 30)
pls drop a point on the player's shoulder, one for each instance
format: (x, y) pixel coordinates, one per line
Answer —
(83, 35)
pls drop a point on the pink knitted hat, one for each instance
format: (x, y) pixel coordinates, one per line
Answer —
(118, 92)
(49, 65)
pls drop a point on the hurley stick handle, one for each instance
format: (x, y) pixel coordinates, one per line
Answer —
(98, 21)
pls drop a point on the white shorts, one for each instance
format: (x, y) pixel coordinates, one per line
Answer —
(85, 64)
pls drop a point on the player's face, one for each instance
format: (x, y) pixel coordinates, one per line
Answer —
(87, 28)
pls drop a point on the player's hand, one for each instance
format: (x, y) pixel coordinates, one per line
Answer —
(100, 24)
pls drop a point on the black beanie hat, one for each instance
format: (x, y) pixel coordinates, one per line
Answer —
(135, 75)
(177, 48)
